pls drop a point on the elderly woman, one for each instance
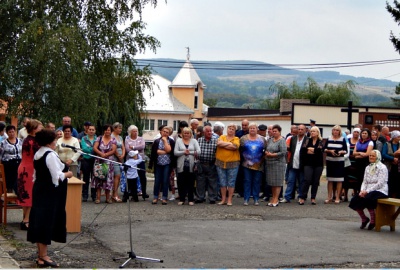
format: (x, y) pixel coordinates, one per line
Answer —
(361, 153)
(48, 217)
(134, 142)
(10, 156)
(185, 150)
(105, 147)
(275, 158)
(227, 163)
(313, 162)
(391, 154)
(26, 169)
(252, 147)
(373, 187)
(335, 149)
(163, 160)
(119, 156)
(67, 155)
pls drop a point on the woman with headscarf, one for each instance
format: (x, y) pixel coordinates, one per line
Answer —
(373, 187)
(390, 155)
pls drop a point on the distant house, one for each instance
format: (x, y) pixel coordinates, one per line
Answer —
(170, 102)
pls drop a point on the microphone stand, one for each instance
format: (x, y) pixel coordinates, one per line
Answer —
(131, 253)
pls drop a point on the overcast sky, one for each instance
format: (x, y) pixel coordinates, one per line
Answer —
(277, 32)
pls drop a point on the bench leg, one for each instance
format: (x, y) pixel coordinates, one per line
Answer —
(384, 217)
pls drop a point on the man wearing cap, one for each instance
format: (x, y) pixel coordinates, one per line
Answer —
(86, 125)
(262, 130)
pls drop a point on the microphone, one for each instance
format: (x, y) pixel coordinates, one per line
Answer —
(70, 146)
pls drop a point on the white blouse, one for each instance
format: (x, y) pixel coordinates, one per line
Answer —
(377, 181)
(54, 164)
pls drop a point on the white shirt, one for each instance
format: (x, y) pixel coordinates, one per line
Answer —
(54, 164)
(296, 155)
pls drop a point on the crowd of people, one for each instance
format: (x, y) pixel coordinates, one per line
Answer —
(211, 163)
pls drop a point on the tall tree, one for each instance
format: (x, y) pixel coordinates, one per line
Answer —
(395, 12)
(74, 57)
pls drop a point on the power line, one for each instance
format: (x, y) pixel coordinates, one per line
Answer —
(257, 66)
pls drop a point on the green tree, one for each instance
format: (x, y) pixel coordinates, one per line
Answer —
(333, 94)
(74, 57)
(395, 12)
(210, 102)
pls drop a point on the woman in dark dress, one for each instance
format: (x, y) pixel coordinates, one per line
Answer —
(48, 217)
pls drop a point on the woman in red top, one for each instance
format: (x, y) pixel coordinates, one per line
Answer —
(25, 171)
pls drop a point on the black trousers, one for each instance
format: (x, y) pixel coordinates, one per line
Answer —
(87, 171)
(186, 186)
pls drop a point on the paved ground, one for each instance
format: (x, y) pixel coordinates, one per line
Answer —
(213, 236)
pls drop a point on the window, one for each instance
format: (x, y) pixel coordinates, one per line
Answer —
(149, 124)
(176, 125)
(196, 97)
(162, 122)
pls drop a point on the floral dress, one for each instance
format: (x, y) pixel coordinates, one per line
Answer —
(105, 184)
(25, 171)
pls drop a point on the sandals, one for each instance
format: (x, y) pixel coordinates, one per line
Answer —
(164, 202)
(154, 201)
(97, 201)
(109, 201)
(46, 263)
(180, 203)
(337, 201)
(221, 203)
(116, 199)
(327, 201)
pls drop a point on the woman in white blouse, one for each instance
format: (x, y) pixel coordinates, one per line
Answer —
(374, 187)
(47, 220)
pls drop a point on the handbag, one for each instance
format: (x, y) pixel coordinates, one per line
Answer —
(197, 166)
(100, 170)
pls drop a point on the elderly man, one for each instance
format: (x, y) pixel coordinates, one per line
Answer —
(386, 133)
(67, 121)
(208, 177)
(262, 130)
(194, 123)
(244, 130)
(294, 166)
(218, 129)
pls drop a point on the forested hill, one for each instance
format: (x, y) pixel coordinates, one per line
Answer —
(251, 80)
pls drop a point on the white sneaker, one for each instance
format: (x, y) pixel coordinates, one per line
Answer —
(172, 198)
(284, 201)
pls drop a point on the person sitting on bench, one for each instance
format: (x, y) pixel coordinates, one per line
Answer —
(374, 187)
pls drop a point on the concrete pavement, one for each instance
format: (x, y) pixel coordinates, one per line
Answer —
(213, 236)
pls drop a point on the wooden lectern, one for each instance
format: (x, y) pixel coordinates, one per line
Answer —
(74, 204)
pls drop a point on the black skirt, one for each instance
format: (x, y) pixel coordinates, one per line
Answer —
(370, 201)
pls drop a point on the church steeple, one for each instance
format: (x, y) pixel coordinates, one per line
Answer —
(188, 87)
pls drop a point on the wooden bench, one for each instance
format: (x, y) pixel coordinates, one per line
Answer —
(386, 213)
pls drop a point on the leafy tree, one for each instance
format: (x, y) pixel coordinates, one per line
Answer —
(395, 12)
(211, 102)
(334, 94)
(74, 57)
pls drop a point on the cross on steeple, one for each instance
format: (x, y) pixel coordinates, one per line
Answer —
(188, 53)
